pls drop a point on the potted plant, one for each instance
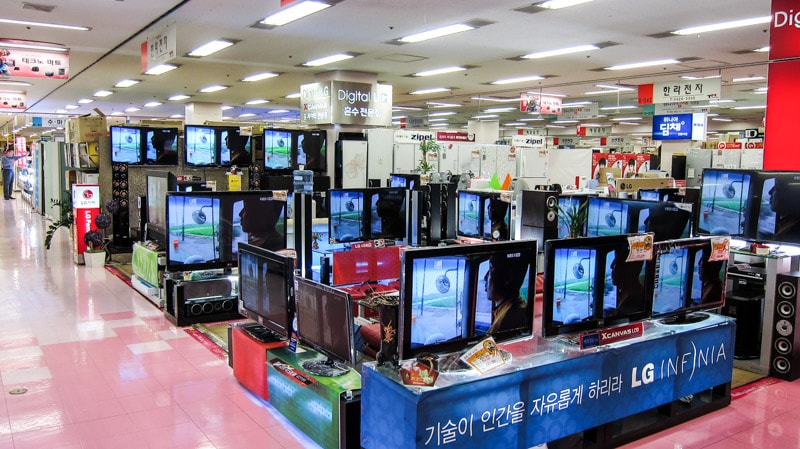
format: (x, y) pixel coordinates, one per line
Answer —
(96, 242)
(427, 147)
(64, 220)
(574, 217)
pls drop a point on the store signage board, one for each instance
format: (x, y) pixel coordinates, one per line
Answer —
(411, 136)
(346, 103)
(533, 132)
(455, 136)
(681, 107)
(48, 122)
(315, 103)
(784, 32)
(10, 100)
(687, 90)
(567, 141)
(529, 141)
(594, 131)
(581, 112)
(679, 127)
(617, 141)
(159, 49)
(539, 104)
(85, 207)
(22, 63)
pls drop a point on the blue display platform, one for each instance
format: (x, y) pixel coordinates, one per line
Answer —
(550, 390)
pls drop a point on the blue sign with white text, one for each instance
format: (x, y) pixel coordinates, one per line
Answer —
(672, 127)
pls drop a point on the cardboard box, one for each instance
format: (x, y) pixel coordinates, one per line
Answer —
(86, 129)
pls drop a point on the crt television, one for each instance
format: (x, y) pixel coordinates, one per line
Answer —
(266, 288)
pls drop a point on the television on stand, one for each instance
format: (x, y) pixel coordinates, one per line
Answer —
(201, 147)
(266, 292)
(235, 148)
(161, 146)
(126, 145)
(279, 153)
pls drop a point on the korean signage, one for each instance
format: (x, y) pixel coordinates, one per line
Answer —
(16, 62)
(682, 107)
(346, 103)
(594, 131)
(529, 141)
(539, 104)
(679, 127)
(85, 207)
(567, 141)
(784, 32)
(580, 112)
(616, 141)
(13, 100)
(686, 90)
(409, 136)
(49, 122)
(533, 132)
(159, 49)
(455, 136)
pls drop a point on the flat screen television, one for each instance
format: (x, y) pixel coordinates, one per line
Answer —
(161, 146)
(589, 283)
(204, 228)
(234, 148)
(409, 181)
(201, 146)
(347, 221)
(567, 202)
(469, 214)
(726, 207)
(614, 216)
(126, 144)
(312, 150)
(778, 214)
(388, 213)
(266, 288)
(685, 279)
(484, 215)
(158, 183)
(454, 296)
(279, 149)
(324, 317)
(665, 194)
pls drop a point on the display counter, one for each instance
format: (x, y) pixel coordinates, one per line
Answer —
(551, 390)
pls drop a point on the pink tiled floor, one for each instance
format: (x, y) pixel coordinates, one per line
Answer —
(105, 370)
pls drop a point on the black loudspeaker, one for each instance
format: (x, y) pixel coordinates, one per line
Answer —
(540, 208)
(205, 289)
(208, 306)
(785, 359)
(746, 309)
(679, 166)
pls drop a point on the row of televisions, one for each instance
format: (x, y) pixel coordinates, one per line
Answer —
(453, 296)
(215, 146)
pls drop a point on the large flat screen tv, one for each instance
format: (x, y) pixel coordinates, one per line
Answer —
(235, 148)
(485, 215)
(266, 288)
(454, 296)
(126, 144)
(204, 228)
(614, 216)
(279, 151)
(778, 214)
(312, 150)
(727, 206)
(161, 146)
(201, 146)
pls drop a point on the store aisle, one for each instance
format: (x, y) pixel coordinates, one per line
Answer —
(102, 367)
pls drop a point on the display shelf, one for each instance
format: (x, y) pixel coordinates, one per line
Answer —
(248, 358)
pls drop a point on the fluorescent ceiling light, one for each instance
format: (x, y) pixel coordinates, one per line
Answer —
(497, 99)
(515, 124)
(132, 109)
(721, 119)
(85, 101)
(176, 116)
(721, 101)
(293, 13)
(638, 65)
(750, 107)
(521, 79)
(70, 107)
(495, 110)
(406, 108)
(560, 51)
(615, 87)
(626, 118)
(441, 71)
(614, 108)
(178, 97)
(723, 25)
(762, 49)
(760, 90)
(398, 117)
(440, 125)
(747, 79)
(225, 108)
(259, 76)
(603, 92)
(328, 60)
(210, 48)
(152, 104)
(160, 69)
(256, 101)
(443, 119)
(35, 46)
(45, 24)
(432, 90)
(15, 83)
(558, 4)
(102, 93)
(690, 77)
(437, 104)
(126, 83)
(61, 111)
(566, 121)
(575, 104)
(531, 119)
(629, 123)
(437, 32)
(485, 116)
(293, 95)
(247, 114)
(213, 88)
(441, 114)
(278, 111)
(555, 126)
(117, 113)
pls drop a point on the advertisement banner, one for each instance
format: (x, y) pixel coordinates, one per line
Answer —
(85, 207)
(410, 136)
(784, 34)
(645, 94)
(540, 104)
(13, 100)
(20, 148)
(679, 127)
(23, 63)
(687, 90)
(529, 141)
(581, 112)
(455, 136)
(594, 131)
(628, 164)
(315, 103)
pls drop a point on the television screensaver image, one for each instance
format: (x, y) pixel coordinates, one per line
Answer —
(723, 202)
(347, 215)
(161, 146)
(126, 145)
(234, 148)
(200, 146)
(440, 304)
(469, 212)
(574, 285)
(606, 218)
(277, 149)
(496, 215)
(194, 229)
(671, 281)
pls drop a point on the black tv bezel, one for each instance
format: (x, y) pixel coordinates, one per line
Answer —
(232, 262)
(237, 129)
(343, 296)
(474, 251)
(322, 165)
(141, 144)
(483, 196)
(286, 266)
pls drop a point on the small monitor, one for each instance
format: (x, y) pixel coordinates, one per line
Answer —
(266, 288)
(347, 221)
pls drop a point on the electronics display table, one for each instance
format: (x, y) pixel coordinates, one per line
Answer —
(326, 409)
(249, 360)
(552, 390)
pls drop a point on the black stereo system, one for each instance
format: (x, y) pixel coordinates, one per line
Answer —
(119, 193)
(433, 217)
(539, 215)
(200, 301)
(208, 306)
(785, 359)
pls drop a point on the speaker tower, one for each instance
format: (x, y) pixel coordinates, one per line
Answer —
(785, 358)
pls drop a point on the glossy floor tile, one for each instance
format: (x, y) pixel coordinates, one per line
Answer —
(103, 369)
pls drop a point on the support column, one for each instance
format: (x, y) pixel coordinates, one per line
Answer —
(197, 113)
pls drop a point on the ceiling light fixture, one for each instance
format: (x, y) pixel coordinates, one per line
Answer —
(558, 4)
(328, 59)
(152, 104)
(293, 95)
(278, 111)
(160, 69)
(126, 83)
(34, 46)
(747, 79)
(616, 87)
(750, 107)
(625, 118)
(639, 65)
(521, 79)
(225, 108)
(575, 104)
(441, 114)
(496, 99)
(614, 108)
(436, 32)
(721, 119)
(442, 119)
(294, 12)
(15, 83)
(102, 93)
(210, 48)
(560, 51)
(441, 71)
(723, 25)
(176, 116)
(497, 110)
(690, 77)
(132, 109)
(259, 77)
(212, 88)
(247, 114)
(70, 107)
(256, 101)
(432, 90)
(437, 104)
(482, 116)
(762, 49)
(45, 24)
(85, 101)
(178, 97)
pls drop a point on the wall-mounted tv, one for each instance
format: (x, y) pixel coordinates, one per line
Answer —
(126, 144)
(325, 323)
(614, 216)
(453, 296)
(279, 153)
(204, 228)
(484, 214)
(201, 146)
(161, 146)
(266, 288)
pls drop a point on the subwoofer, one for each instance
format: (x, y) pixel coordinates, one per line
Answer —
(208, 306)
(785, 358)
(540, 208)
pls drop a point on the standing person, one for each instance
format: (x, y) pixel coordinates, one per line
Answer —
(8, 172)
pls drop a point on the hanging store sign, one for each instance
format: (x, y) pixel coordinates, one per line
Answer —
(529, 141)
(160, 48)
(540, 104)
(455, 136)
(581, 112)
(567, 141)
(594, 131)
(410, 136)
(681, 107)
(679, 127)
(17, 62)
(315, 103)
(346, 103)
(13, 100)
(687, 90)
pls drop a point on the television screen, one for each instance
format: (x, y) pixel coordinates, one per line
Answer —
(126, 144)
(158, 184)
(278, 151)
(347, 221)
(312, 151)
(567, 202)
(469, 214)
(453, 296)
(204, 228)
(778, 216)
(614, 216)
(201, 145)
(325, 323)
(574, 285)
(496, 218)
(161, 145)
(669, 294)
(606, 216)
(234, 148)
(408, 180)
(266, 288)
(388, 213)
(724, 202)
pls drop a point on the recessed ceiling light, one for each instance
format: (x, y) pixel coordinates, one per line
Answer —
(638, 65)
(126, 83)
(85, 101)
(178, 97)
(440, 119)
(432, 90)
(515, 124)
(102, 93)
(34, 46)
(247, 114)
(61, 111)
(496, 99)
(293, 95)
(15, 83)
(45, 24)
(560, 51)
(441, 71)
(616, 87)
(398, 117)
(480, 116)
(531, 119)
(747, 79)
(117, 113)
(558, 4)
(566, 121)
(328, 60)
(690, 77)
(225, 108)
(70, 107)
(723, 26)
(212, 88)
(259, 76)
(210, 48)
(278, 111)
(132, 109)
(441, 114)
(751, 107)
(294, 12)
(614, 108)
(496, 110)
(575, 104)
(437, 104)
(625, 118)
(256, 101)
(176, 116)
(762, 49)
(721, 119)
(521, 79)
(437, 32)
(160, 69)
(152, 104)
